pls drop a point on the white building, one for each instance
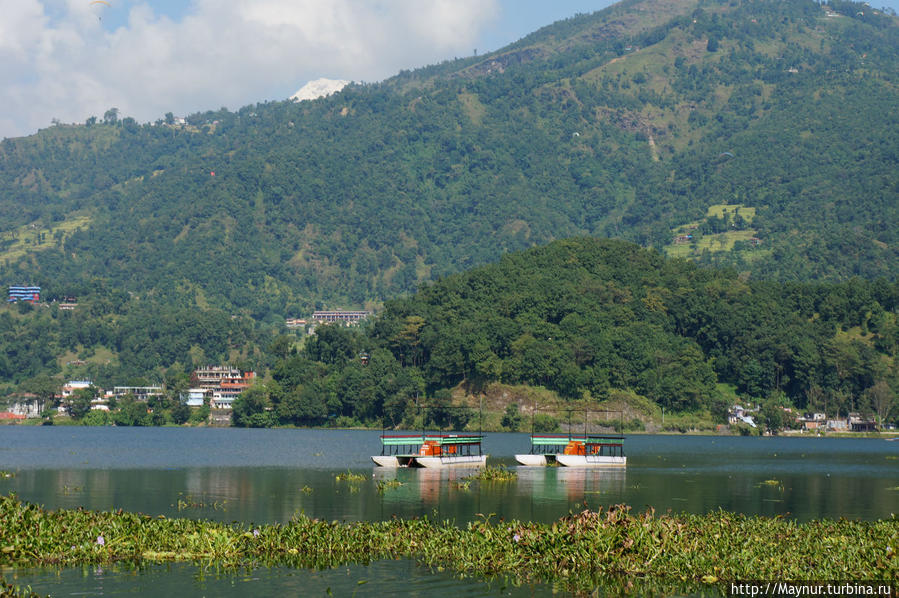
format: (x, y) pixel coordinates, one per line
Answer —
(73, 385)
(194, 397)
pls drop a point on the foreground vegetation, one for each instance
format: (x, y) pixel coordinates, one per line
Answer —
(575, 552)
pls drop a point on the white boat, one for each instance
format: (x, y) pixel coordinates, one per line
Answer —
(586, 450)
(398, 450)
(452, 461)
(591, 461)
(391, 460)
(530, 460)
(434, 451)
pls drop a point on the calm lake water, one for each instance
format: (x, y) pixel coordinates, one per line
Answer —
(267, 476)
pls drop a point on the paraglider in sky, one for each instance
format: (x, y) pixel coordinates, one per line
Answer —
(728, 154)
(98, 6)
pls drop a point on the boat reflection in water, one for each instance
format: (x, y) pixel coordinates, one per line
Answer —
(570, 484)
(540, 488)
(423, 485)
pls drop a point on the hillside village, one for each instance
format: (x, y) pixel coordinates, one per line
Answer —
(212, 392)
(213, 387)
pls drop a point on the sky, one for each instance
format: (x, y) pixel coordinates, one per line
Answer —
(67, 60)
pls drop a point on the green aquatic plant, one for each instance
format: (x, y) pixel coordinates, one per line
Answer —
(575, 552)
(349, 476)
(188, 501)
(7, 474)
(384, 485)
(772, 484)
(493, 474)
(7, 590)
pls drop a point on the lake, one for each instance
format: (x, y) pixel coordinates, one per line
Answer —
(268, 476)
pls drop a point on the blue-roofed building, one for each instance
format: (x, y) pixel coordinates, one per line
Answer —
(24, 293)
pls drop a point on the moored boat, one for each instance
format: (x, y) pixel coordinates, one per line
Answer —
(577, 450)
(594, 450)
(431, 450)
(398, 450)
(587, 450)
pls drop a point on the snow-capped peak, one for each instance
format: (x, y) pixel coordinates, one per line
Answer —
(319, 89)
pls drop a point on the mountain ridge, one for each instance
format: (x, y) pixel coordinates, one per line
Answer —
(632, 122)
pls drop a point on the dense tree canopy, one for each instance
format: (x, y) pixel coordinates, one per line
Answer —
(584, 317)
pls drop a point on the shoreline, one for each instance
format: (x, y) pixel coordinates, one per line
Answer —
(888, 435)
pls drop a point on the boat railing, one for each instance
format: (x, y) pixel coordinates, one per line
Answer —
(597, 443)
(456, 444)
(401, 444)
(541, 442)
(451, 444)
(604, 445)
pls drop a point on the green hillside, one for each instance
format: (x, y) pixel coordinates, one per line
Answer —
(629, 123)
(578, 319)
(598, 319)
(758, 136)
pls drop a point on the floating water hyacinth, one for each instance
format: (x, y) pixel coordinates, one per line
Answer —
(493, 474)
(349, 476)
(586, 547)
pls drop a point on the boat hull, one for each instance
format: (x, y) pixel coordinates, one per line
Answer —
(430, 462)
(591, 461)
(393, 460)
(529, 460)
(450, 461)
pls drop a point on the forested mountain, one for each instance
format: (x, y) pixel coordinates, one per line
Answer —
(585, 318)
(757, 135)
(632, 122)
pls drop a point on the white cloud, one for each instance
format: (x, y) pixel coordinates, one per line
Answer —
(58, 61)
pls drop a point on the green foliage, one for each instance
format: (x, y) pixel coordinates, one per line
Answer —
(131, 412)
(493, 474)
(544, 423)
(511, 418)
(365, 194)
(443, 415)
(633, 425)
(114, 344)
(180, 413)
(199, 415)
(250, 410)
(603, 125)
(96, 417)
(605, 545)
(600, 318)
(79, 403)
(773, 417)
